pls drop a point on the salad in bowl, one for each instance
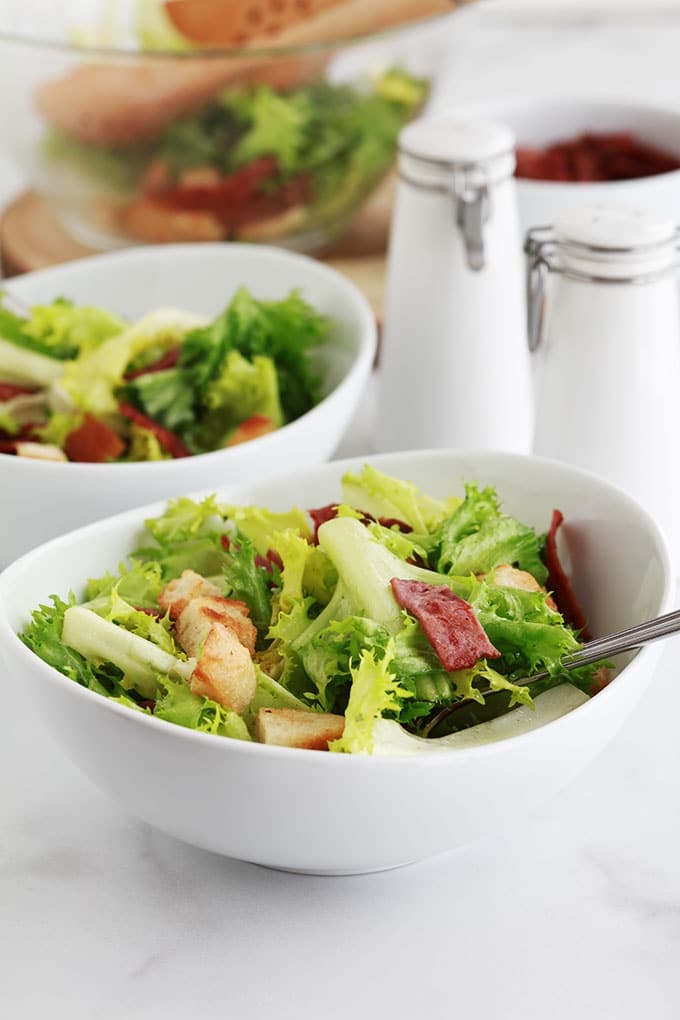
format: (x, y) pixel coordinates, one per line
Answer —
(155, 122)
(388, 622)
(107, 634)
(79, 383)
(164, 360)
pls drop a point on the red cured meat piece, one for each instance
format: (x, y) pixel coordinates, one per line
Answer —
(559, 584)
(327, 513)
(168, 360)
(10, 390)
(320, 516)
(167, 439)
(269, 561)
(93, 442)
(251, 193)
(449, 622)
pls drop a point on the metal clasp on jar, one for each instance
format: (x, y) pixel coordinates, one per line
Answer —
(545, 254)
(468, 185)
(472, 212)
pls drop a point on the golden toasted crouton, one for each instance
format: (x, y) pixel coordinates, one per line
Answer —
(205, 176)
(146, 219)
(39, 451)
(510, 577)
(178, 593)
(293, 727)
(198, 616)
(225, 671)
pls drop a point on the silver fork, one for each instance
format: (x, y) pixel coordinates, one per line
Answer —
(613, 644)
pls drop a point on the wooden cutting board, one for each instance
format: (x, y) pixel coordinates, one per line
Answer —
(31, 237)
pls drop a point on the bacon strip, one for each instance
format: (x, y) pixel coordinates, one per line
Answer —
(560, 585)
(449, 622)
(167, 439)
(328, 512)
(10, 390)
(93, 442)
(253, 192)
(167, 360)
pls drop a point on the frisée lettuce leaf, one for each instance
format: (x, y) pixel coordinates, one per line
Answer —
(354, 617)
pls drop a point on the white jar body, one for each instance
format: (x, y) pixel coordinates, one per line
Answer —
(607, 376)
(454, 366)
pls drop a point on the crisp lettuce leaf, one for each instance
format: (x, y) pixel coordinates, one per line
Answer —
(374, 693)
(478, 537)
(245, 580)
(291, 606)
(92, 379)
(61, 329)
(258, 524)
(184, 519)
(64, 329)
(138, 583)
(205, 555)
(188, 536)
(277, 126)
(329, 656)
(166, 396)
(244, 388)
(176, 703)
(43, 636)
(143, 445)
(384, 496)
(282, 330)
(146, 625)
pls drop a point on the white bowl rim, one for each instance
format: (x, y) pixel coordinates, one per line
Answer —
(329, 761)
(363, 358)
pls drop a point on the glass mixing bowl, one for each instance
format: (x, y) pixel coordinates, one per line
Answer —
(135, 131)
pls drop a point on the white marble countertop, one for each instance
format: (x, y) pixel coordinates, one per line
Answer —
(572, 914)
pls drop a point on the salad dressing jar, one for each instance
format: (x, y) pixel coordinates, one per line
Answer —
(455, 368)
(604, 322)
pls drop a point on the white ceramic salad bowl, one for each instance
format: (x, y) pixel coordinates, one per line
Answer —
(41, 499)
(331, 813)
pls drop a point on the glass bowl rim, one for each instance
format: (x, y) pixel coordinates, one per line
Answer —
(137, 55)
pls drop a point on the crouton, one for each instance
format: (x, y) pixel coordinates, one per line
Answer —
(198, 616)
(39, 451)
(293, 727)
(510, 577)
(225, 671)
(178, 593)
(147, 219)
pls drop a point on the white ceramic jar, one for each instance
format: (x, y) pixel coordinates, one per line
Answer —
(607, 339)
(454, 364)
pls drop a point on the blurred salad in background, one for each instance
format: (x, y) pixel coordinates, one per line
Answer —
(254, 162)
(82, 384)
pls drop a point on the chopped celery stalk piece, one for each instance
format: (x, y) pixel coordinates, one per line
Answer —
(23, 366)
(141, 661)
